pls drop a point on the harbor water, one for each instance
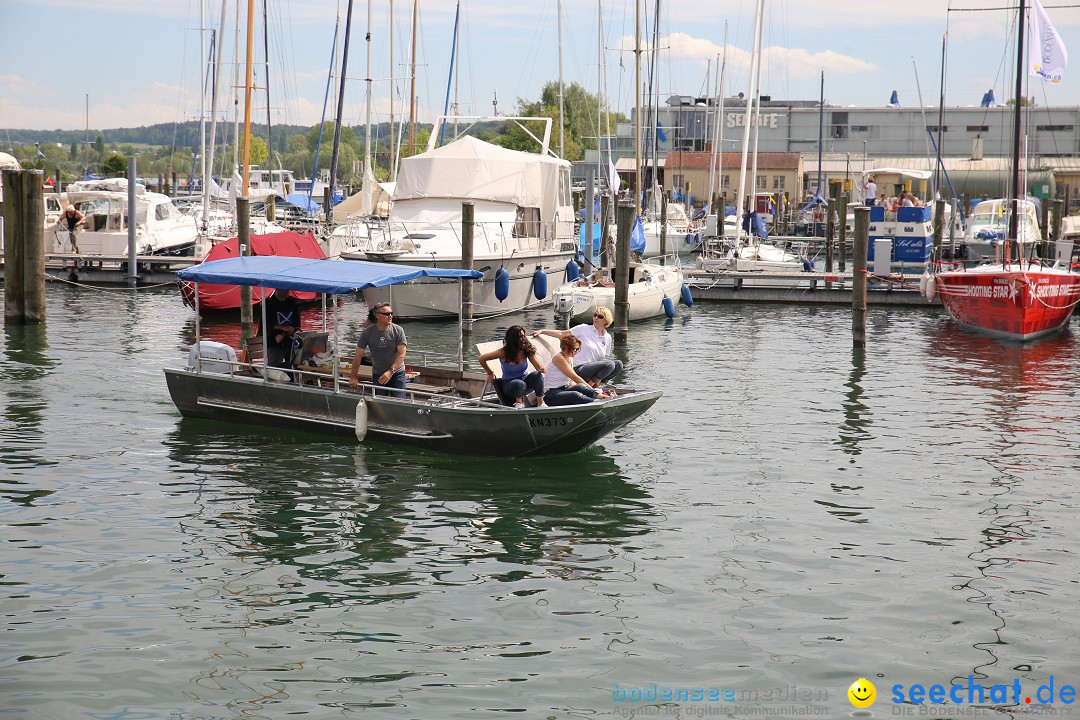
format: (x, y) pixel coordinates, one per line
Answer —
(791, 516)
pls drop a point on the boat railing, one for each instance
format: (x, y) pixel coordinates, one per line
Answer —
(491, 233)
(671, 261)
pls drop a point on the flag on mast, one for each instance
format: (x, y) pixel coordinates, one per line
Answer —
(1048, 56)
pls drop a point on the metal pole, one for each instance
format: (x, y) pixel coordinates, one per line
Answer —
(465, 317)
(939, 229)
(841, 231)
(243, 222)
(625, 216)
(858, 282)
(590, 216)
(133, 268)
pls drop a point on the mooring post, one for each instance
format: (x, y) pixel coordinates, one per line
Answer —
(605, 230)
(243, 238)
(24, 251)
(858, 281)
(841, 230)
(468, 213)
(132, 226)
(624, 224)
(1055, 237)
(271, 207)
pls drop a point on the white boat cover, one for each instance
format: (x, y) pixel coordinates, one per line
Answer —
(471, 169)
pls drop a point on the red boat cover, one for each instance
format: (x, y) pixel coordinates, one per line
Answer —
(227, 297)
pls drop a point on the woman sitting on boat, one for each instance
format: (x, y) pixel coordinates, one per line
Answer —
(514, 356)
(592, 363)
(564, 386)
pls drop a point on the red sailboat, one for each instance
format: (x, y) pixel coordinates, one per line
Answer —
(1016, 298)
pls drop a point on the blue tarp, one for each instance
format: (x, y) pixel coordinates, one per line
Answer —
(326, 276)
(302, 201)
(637, 237)
(753, 223)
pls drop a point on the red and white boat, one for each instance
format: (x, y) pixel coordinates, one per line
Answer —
(1017, 300)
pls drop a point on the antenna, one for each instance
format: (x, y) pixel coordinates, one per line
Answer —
(495, 101)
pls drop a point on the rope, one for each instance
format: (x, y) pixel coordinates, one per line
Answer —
(102, 288)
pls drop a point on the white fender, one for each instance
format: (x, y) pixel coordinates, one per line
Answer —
(931, 288)
(361, 420)
(924, 279)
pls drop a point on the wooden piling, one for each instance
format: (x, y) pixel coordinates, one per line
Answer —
(842, 232)
(858, 280)
(624, 224)
(243, 238)
(132, 225)
(328, 204)
(271, 207)
(468, 213)
(605, 230)
(24, 251)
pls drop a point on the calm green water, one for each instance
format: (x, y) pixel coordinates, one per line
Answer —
(787, 519)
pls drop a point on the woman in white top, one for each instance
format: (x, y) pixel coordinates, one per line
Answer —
(592, 362)
(563, 385)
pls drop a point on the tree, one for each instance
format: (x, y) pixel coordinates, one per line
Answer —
(580, 109)
(115, 165)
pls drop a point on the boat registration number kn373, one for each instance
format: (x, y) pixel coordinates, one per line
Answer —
(550, 421)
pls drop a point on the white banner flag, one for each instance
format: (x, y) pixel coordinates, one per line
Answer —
(613, 177)
(1047, 54)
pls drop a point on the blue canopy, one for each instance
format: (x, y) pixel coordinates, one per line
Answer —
(338, 277)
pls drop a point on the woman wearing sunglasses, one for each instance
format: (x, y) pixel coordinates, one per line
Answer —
(564, 386)
(387, 343)
(592, 362)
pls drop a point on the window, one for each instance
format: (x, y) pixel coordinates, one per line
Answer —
(978, 128)
(761, 182)
(778, 182)
(934, 128)
(678, 181)
(838, 131)
(860, 129)
(725, 182)
(1054, 128)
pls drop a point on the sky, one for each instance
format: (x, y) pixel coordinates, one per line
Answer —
(66, 64)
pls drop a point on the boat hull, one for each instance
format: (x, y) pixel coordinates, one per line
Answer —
(435, 299)
(1011, 302)
(441, 422)
(646, 297)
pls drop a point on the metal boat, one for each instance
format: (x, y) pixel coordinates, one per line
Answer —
(450, 410)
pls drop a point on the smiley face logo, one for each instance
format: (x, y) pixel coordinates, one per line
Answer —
(862, 693)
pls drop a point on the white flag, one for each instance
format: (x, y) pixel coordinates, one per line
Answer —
(613, 177)
(1047, 54)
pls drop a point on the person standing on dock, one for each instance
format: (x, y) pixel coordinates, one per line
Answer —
(71, 219)
(871, 191)
(387, 344)
(592, 363)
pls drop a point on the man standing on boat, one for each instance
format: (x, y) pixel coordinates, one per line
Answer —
(71, 219)
(283, 318)
(387, 344)
(592, 363)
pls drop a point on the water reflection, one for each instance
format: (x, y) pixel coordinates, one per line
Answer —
(369, 519)
(24, 371)
(856, 414)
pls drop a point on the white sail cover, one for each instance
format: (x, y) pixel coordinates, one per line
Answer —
(471, 169)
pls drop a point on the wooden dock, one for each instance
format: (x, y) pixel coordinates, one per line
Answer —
(111, 269)
(811, 288)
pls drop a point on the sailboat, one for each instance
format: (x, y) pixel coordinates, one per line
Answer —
(1018, 297)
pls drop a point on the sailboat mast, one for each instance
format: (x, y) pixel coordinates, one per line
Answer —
(450, 77)
(746, 120)
(637, 108)
(247, 95)
(717, 139)
(757, 112)
(340, 107)
(213, 115)
(562, 116)
(202, 96)
(393, 92)
(367, 98)
(1017, 191)
(266, 79)
(412, 83)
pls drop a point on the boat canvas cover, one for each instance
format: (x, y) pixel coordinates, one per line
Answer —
(471, 169)
(289, 244)
(324, 276)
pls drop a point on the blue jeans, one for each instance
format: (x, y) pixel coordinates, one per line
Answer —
(599, 370)
(570, 395)
(513, 389)
(394, 387)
